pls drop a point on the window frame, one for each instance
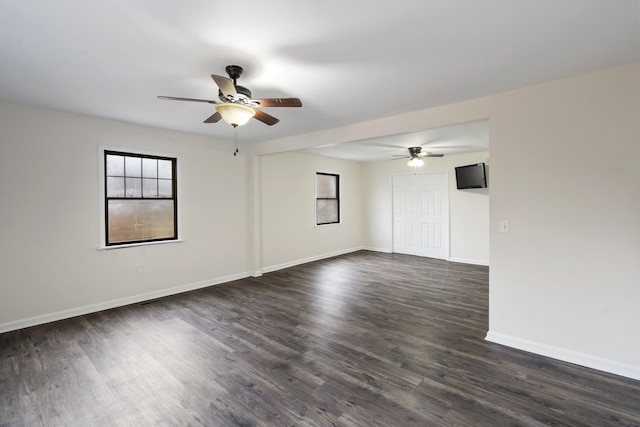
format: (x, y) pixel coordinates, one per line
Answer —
(337, 198)
(103, 151)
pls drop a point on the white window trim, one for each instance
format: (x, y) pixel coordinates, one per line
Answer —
(315, 198)
(101, 192)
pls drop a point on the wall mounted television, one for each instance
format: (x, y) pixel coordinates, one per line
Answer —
(471, 176)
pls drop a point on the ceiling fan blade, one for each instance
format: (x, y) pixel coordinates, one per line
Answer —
(265, 118)
(432, 155)
(214, 118)
(278, 102)
(174, 98)
(226, 85)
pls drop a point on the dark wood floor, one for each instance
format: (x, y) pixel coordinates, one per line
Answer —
(365, 339)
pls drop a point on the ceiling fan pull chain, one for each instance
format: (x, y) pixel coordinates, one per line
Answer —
(235, 140)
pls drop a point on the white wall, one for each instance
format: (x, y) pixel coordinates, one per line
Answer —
(49, 217)
(468, 209)
(564, 171)
(287, 198)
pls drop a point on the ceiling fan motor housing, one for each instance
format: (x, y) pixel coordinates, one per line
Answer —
(415, 151)
(242, 94)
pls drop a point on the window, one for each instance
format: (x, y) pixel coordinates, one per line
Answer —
(327, 198)
(140, 198)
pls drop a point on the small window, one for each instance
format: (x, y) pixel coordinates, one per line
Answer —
(327, 198)
(140, 198)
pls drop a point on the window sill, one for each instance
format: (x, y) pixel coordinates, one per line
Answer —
(133, 245)
(333, 224)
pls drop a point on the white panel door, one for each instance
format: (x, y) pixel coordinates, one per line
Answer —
(421, 214)
(405, 214)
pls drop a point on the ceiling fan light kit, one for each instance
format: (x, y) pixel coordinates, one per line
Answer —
(235, 114)
(415, 162)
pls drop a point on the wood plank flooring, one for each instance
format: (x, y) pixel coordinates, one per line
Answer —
(365, 339)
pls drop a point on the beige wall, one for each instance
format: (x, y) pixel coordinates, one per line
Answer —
(287, 198)
(49, 217)
(563, 171)
(468, 209)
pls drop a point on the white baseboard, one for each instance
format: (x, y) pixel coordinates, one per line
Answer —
(452, 259)
(92, 308)
(578, 358)
(310, 259)
(383, 250)
(470, 261)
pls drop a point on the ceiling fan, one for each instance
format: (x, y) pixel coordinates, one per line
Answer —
(415, 156)
(236, 106)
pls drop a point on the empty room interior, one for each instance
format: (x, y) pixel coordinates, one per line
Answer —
(329, 213)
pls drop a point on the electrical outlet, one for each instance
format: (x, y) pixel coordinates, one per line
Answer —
(136, 269)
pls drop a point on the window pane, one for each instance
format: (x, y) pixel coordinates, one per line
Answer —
(150, 168)
(133, 166)
(149, 187)
(326, 211)
(115, 165)
(145, 209)
(327, 187)
(135, 220)
(115, 186)
(165, 188)
(164, 169)
(133, 187)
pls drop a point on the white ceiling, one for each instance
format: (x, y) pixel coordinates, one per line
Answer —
(448, 140)
(349, 61)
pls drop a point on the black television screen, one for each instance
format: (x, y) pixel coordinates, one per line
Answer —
(471, 176)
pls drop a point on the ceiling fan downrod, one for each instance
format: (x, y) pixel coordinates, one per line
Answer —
(234, 72)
